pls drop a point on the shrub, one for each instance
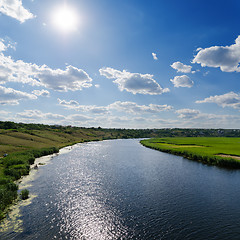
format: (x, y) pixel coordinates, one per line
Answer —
(11, 186)
(31, 160)
(24, 194)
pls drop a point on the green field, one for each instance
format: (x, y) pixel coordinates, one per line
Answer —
(220, 151)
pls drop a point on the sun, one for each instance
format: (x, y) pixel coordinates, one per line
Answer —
(65, 19)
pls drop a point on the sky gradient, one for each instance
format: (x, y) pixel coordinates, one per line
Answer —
(121, 63)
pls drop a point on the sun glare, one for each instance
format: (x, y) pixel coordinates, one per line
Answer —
(65, 19)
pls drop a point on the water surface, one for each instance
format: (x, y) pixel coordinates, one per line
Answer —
(119, 189)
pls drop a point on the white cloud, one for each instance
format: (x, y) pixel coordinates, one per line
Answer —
(37, 114)
(74, 105)
(71, 79)
(15, 9)
(188, 113)
(195, 119)
(5, 116)
(193, 114)
(43, 93)
(134, 82)
(154, 55)
(182, 81)
(2, 112)
(6, 43)
(79, 118)
(16, 71)
(134, 108)
(227, 58)
(230, 99)
(70, 104)
(3, 47)
(188, 118)
(180, 67)
(127, 107)
(9, 96)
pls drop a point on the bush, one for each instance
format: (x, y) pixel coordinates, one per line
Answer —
(11, 186)
(24, 194)
(31, 160)
(8, 193)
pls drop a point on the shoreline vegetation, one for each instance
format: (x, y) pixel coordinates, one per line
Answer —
(222, 151)
(21, 144)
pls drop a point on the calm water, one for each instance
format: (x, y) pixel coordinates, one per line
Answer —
(122, 190)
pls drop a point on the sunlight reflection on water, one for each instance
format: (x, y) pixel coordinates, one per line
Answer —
(84, 204)
(121, 190)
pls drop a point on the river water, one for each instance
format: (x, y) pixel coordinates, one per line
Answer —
(119, 189)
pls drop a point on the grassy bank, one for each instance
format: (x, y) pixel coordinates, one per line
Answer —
(13, 167)
(22, 143)
(203, 149)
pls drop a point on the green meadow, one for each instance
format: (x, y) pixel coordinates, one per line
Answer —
(219, 151)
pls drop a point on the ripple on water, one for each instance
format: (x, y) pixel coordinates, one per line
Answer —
(121, 190)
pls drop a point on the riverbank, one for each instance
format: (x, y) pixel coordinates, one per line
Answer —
(13, 167)
(21, 144)
(13, 221)
(222, 152)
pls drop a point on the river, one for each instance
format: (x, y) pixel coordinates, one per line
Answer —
(118, 189)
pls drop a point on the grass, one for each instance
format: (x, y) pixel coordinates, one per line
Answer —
(203, 149)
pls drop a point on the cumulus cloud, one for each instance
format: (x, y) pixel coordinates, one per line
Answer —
(127, 107)
(70, 104)
(187, 118)
(63, 80)
(6, 43)
(182, 81)
(4, 112)
(195, 119)
(154, 55)
(51, 118)
(227, 58)
(70, 79)
(3, 47)
(15, 9)
(38, 116)
(230, 99)
(133, 82)
(134, 108)
(79, 118)
(9, 96)
(187, 113)
(16, 71)
(74, 105)
(193, 114)
(180, 67)
(43, 93)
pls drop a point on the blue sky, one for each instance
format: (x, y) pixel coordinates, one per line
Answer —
(121, 63)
